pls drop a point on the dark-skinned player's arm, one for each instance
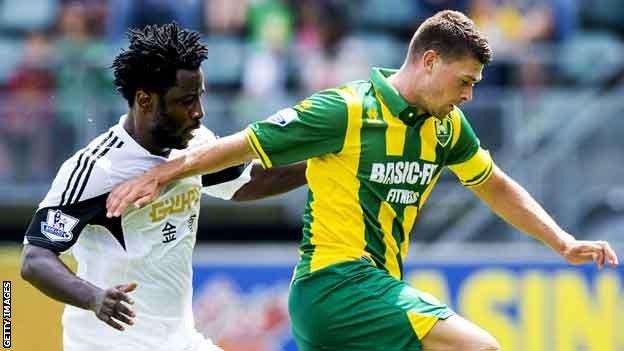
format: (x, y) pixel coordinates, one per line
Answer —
(272, 181)
(515, 205)
(42, 268)
(228, 151)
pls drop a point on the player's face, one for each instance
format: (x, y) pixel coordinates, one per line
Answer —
(179, 111)
(452, 83)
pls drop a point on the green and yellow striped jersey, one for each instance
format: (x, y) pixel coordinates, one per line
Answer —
(372, 162)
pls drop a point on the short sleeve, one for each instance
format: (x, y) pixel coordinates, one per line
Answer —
(472, 164)
(314, 127)
(58, 227)
(222, 184)
(77, 198)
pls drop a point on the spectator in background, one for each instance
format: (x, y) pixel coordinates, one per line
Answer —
(516, 29)
(225, 16)
(270, 24)
(325, 54)
(27, 119)
(309, 27)
(512, 23)
(85, 92)
(98, 13)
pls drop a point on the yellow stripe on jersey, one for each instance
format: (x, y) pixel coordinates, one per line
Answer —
(337, 228)
(456, 122)
(265, 161)
(409, 217)
(481, 178)
(395, 133)
(475, 170)
(428, 140)
(386, 219)
(421, 323)
(425, 194)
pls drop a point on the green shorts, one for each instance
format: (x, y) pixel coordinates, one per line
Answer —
(357, 306)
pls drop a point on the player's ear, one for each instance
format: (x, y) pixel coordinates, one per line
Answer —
(144, 100)
(430, 60)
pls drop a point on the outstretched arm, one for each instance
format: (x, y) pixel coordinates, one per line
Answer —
(516, 206)
(273, 181)
(315, 127)
(225, 152)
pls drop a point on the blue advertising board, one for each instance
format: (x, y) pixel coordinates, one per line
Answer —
(526, 306)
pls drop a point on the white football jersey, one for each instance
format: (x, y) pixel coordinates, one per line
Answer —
(152, 246)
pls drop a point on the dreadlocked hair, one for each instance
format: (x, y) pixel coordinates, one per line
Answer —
(155, 53)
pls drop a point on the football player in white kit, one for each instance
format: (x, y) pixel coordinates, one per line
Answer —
(133, 287)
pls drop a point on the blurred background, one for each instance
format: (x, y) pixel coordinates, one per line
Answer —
(549, 109)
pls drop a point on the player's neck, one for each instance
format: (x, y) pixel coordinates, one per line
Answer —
(407, 87)
(142, 134)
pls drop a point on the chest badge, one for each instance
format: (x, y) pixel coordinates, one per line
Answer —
(372, 113)
(444, 130)
(372, 116)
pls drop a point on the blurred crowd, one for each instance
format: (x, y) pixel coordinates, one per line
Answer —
(56, 85)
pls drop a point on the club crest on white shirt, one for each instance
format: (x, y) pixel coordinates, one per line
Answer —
(283, 117)
(58, 226)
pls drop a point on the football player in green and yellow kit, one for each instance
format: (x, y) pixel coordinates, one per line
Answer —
(375, 149)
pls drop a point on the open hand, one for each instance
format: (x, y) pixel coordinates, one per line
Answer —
(110, 306)
(582, 251)
(139, 191)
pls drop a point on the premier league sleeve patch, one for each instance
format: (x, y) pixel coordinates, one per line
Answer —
(283, 117)
(58, 228)
(58, 225)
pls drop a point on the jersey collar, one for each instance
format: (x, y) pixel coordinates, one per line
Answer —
(391, 98)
